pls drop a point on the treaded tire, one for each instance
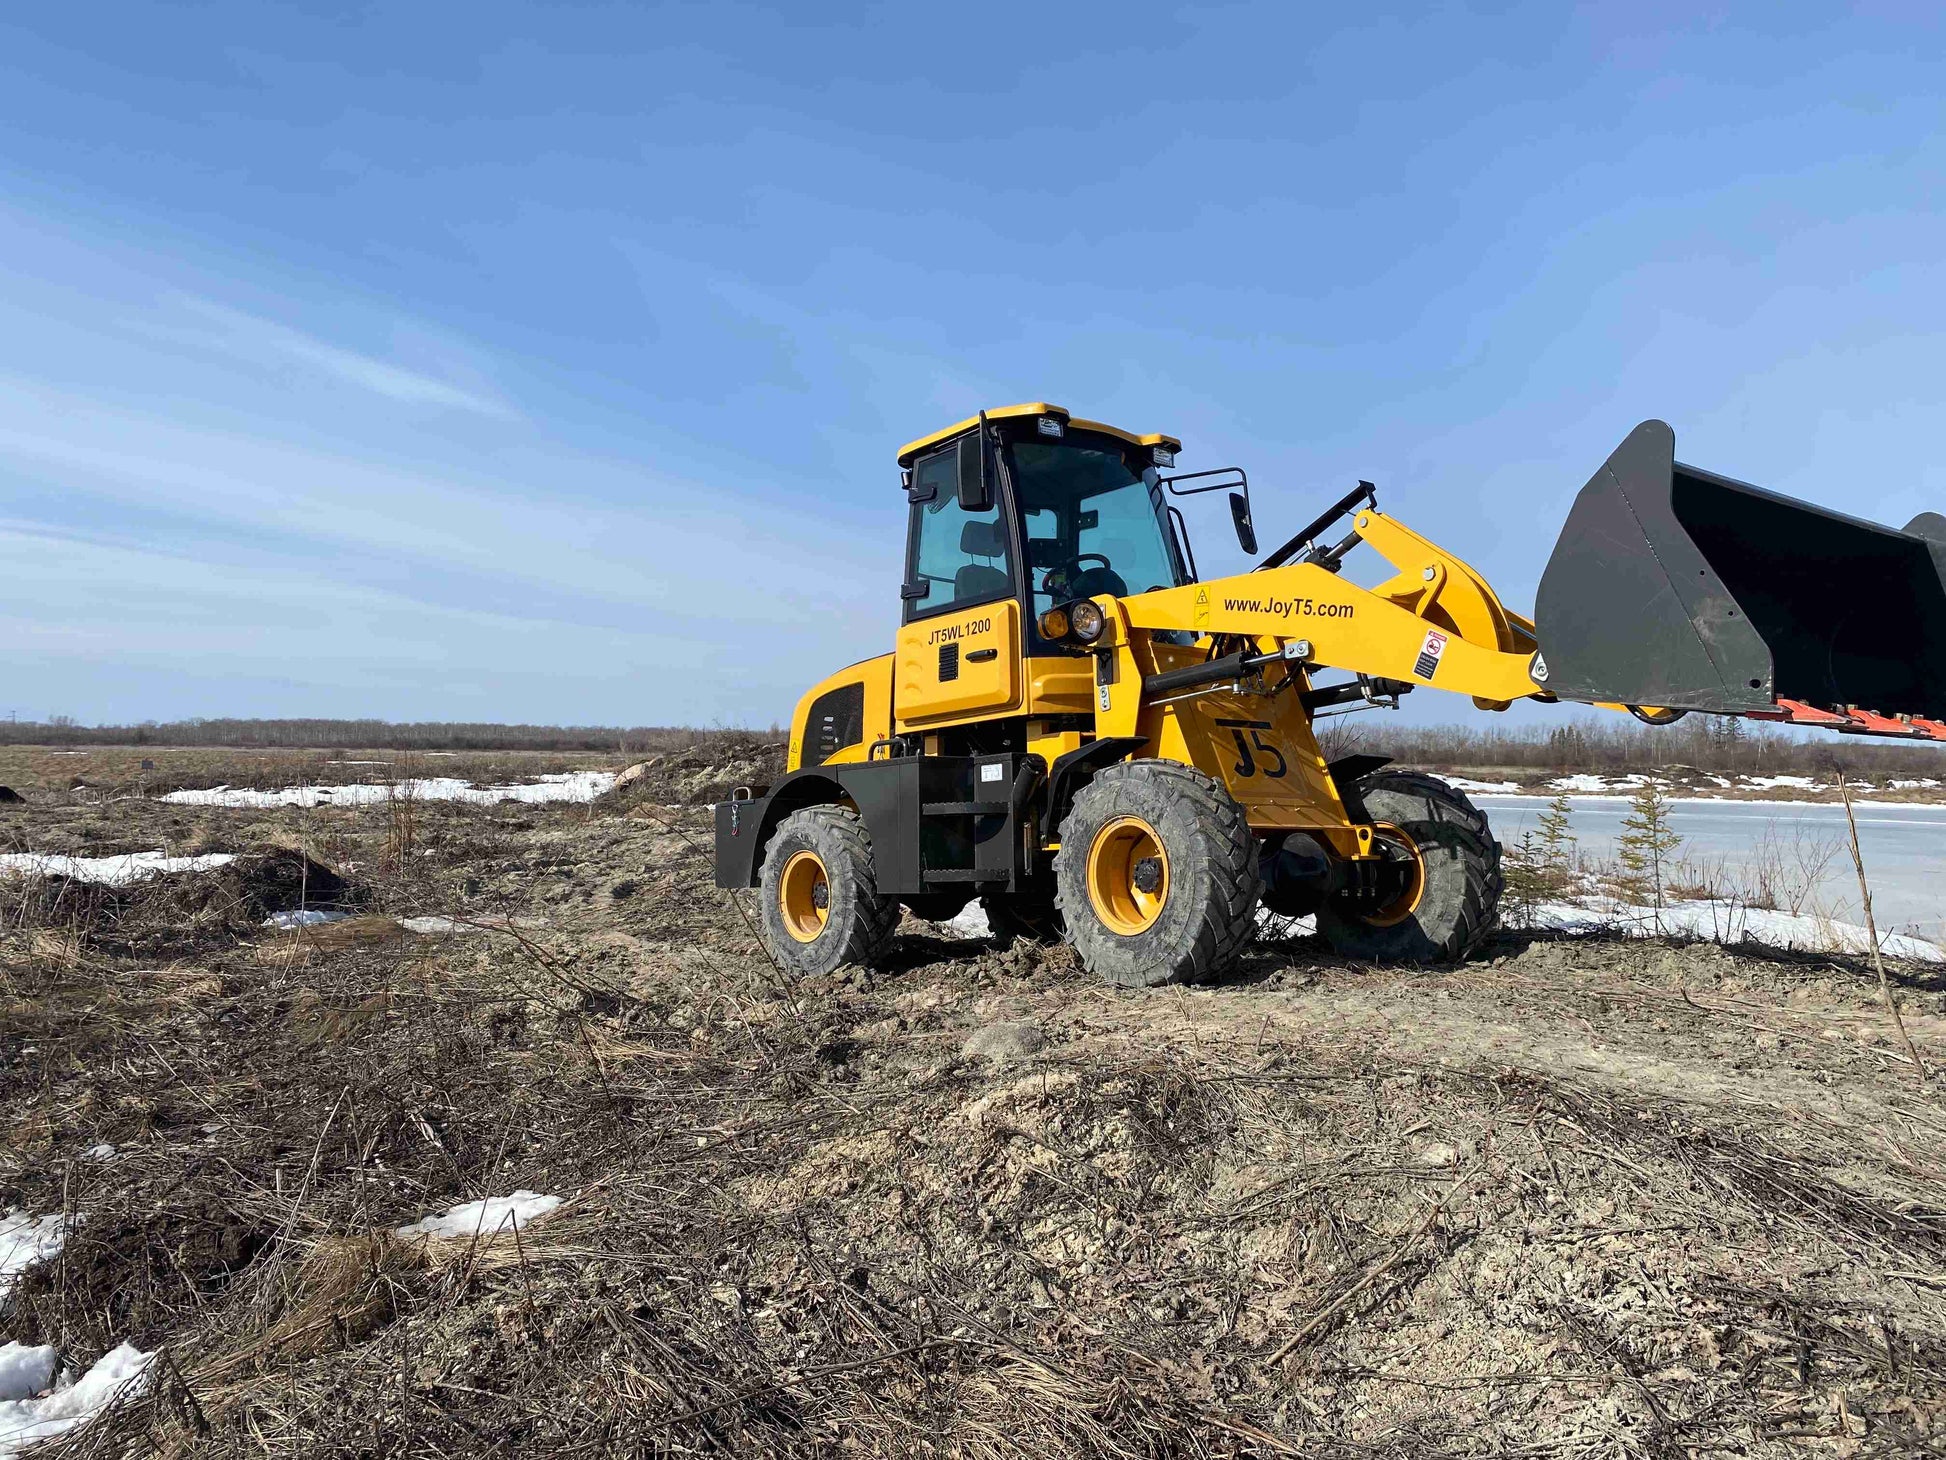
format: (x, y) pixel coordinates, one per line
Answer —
(859, 922)
(1209, 907)
(1013, 918)
(1461, 901)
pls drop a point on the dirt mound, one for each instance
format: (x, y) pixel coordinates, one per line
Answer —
(698, 775)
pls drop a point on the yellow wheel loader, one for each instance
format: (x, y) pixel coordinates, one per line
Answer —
(1077, 729)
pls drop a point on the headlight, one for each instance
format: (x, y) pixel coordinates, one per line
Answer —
(1054, 624)
(1085, 619)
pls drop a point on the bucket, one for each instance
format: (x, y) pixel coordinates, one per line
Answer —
(1674, 587)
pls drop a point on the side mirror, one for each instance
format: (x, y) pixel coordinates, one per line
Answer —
(973, 493)
(1240, 515)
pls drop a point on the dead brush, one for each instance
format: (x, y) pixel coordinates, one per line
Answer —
(401, 818)
(812, 1226)
(1743, 1166)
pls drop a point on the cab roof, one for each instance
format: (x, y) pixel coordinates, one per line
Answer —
(1033, 408)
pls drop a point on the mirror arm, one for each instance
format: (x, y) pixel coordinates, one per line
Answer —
(1182, 538)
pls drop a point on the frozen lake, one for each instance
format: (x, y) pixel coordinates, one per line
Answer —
(1904, 847)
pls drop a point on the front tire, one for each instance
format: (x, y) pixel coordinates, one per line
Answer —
(1448, 899)
(820, 903)
(1157, 875)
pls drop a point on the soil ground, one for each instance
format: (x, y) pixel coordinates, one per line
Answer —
(1580, 1198)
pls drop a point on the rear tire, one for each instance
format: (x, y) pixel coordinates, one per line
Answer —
(1458, 902)
(820, 903)
(1016, 918)
(1157, 875)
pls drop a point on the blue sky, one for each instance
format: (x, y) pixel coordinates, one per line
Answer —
(547, 362)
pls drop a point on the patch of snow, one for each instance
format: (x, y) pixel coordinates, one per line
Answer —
(26, 1420)
(1924, 783)
(25, 1369)
(969, 922)
(1276, 925)
(102, 1152)
(1732, 923)
(1779, 783)
(26, 1239)
(575, 786)
(305, 917)
(485, 1218)
(1491, 788)
(1579, 783)
(1719, 780)
(109, 871)
(436, 926)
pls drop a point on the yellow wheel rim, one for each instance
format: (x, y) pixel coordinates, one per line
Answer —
(1407, 903)
(804, 897)
(1128, 875)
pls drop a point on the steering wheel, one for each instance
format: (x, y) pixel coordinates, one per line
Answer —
(1060, 578)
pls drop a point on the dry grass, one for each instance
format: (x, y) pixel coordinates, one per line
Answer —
(802, 1222)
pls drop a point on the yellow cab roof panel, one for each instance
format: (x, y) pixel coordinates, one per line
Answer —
(1032, 408)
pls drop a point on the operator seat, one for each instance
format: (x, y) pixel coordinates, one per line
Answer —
(976, 581)
(1095, 580)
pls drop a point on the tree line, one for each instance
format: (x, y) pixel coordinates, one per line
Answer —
(1615, 743)
(365, 735)
(1620, 744)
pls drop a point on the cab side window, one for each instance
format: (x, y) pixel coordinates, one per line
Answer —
(958, 558)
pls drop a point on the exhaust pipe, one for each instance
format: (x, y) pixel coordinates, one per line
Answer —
(1673, 586)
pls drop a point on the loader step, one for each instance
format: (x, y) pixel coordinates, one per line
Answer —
(966, 808)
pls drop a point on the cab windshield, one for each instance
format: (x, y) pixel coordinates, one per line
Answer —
(1094, 520)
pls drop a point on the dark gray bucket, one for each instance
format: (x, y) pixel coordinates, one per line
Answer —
(1674, 586)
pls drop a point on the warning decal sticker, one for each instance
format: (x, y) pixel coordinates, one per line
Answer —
(1199, 615)
(1429, 654)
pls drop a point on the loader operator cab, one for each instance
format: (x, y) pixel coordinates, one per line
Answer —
(1051, 510)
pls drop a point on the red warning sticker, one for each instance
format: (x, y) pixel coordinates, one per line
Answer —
(1429, 654)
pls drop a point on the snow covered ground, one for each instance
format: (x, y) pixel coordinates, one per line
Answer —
(26, 1239)
(573, 786)
(433, 925)
(113, 871)
(1731, 922)
(36, 1406)
(485, 1218)
(305, 917)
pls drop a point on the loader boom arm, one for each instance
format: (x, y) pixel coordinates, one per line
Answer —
(1436, 622)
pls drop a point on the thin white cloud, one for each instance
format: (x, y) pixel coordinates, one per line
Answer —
(625, 531)
(255, 338)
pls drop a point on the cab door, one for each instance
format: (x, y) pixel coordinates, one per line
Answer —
(958, 654)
